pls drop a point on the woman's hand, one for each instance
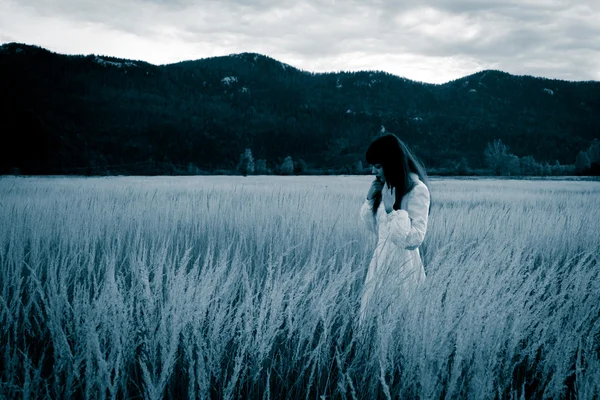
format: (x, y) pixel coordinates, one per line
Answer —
(376, 187)
(389, 198)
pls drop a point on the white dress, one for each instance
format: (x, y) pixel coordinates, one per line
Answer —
(396, 268)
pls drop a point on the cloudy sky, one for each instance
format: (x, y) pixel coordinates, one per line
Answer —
(430, 41)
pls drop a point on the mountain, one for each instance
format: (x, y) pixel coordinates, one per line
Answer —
(82, 114)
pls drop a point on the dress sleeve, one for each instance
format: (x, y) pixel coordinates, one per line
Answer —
(418, 210)
(398, 227)
(366, 214)
(407, 227)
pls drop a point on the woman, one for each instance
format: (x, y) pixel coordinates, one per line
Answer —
(396, 210)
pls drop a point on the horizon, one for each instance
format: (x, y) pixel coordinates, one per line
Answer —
(293, 66)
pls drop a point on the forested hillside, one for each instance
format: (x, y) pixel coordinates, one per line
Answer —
(93, 114)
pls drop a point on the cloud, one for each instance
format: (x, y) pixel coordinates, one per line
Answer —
(432, 41)
(6, 38)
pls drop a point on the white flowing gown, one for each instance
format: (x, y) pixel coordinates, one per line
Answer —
(396, 268)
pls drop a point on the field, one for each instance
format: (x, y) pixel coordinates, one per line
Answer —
(232, 287)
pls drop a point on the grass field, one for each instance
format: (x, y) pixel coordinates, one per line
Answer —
(231, 287)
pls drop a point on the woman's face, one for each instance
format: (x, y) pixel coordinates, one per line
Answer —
(377, 170)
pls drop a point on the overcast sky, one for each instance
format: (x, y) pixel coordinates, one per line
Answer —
(430, 41)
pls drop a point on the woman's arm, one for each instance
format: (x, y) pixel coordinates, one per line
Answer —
(366, 214)
(366, 211)
(408, 227)
(418, 210)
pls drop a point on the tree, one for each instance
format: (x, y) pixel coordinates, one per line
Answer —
(193, 169)
(582, 162)
(260, 167)
(593, 152)
(496, 156)
(359, 167)
(300, 167)
(287, 167)
(512, 166)
(529, 166)
(558, 169)
(246, 164)
(499, 160)
(546, 169)
(462, 168)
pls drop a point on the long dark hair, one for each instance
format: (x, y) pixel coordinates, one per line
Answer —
(397, 162)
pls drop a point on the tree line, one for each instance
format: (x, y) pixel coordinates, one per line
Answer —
(498, 158)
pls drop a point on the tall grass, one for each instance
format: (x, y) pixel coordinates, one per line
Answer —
(228, 287)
